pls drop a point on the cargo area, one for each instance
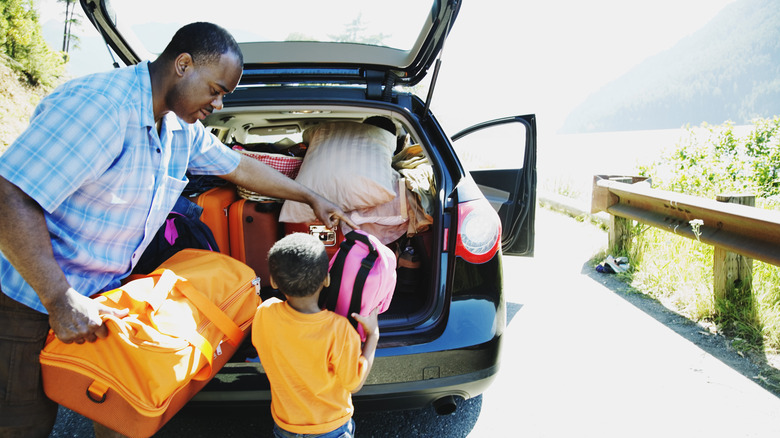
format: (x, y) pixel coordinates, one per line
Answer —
(384, 180)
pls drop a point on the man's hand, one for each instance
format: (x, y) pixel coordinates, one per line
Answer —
(76, 318)
(329, 213)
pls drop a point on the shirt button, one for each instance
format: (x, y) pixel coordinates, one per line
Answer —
(158, 150)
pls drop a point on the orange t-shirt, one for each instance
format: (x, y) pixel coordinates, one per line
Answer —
(313, 362)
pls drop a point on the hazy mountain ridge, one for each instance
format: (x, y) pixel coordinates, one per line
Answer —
(728, 70)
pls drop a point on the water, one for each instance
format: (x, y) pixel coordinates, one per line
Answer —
(567, 163)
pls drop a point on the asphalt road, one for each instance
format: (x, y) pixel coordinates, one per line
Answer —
(582, 357)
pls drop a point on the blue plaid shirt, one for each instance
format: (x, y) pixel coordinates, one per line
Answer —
(92, 158)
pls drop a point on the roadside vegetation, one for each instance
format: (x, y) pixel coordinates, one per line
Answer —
(22, 45)
(678, 271)
(29, 68)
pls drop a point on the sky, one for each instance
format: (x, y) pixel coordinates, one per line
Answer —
(509, 57)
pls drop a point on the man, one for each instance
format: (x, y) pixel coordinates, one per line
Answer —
(87, 185)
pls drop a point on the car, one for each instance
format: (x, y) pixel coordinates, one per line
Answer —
(441, 338)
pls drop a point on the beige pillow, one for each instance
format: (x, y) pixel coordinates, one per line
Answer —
(348, 163)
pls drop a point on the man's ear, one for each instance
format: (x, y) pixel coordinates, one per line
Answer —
(182, 63)
(326, 282)
(273, 283)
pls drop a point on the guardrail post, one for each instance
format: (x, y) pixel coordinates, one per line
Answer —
(731, 270)
(620, 227)
(619, 235)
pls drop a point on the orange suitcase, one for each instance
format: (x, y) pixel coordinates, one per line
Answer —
(254, 228)
(186, 320)
(215, 203)
(330, 238)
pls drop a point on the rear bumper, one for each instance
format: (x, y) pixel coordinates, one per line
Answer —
(396, 382)
(422, 393)
(388, 396)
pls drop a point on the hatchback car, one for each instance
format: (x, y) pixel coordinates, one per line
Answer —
(441, 338)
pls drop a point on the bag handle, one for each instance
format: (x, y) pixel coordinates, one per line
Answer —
(223, 322)
(168, 279)
(192, 337)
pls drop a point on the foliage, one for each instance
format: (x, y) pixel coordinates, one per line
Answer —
(712, 160)
(71, 18)
(22, 43)
(763, 147)
(355, 32)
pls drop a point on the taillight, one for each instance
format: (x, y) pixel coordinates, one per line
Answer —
(479, 231)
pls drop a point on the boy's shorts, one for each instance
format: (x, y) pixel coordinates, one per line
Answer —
(345, 431)
(25, 411)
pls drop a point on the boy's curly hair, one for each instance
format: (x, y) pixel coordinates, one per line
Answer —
(298, 264)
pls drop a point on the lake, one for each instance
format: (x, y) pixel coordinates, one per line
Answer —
(567, 163)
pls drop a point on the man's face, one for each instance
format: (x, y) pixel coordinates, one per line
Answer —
(202, 86)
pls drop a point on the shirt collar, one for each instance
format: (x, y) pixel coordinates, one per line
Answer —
(147, 105)
(145, 84)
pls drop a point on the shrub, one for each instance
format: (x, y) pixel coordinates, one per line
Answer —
(21, 41)
(712, 160)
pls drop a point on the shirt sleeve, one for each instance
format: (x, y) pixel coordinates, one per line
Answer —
(72, 137)
(351, 366)
(210, 156)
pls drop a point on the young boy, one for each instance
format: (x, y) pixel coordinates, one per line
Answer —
(312, 357)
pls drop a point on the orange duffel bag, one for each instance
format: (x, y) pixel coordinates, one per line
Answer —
(186, 319)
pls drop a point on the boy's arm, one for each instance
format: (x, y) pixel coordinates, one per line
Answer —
(371, 327)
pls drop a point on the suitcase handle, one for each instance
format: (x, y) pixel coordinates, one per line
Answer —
(203, 303)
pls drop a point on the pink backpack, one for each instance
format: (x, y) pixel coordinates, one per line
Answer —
(362, 277)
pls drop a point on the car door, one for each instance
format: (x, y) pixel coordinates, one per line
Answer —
(500, 155)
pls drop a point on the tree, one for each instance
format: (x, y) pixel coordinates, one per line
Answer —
(70, 19)
(355, 33)
(23, 46)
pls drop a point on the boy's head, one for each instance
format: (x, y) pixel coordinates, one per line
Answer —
(298, 265)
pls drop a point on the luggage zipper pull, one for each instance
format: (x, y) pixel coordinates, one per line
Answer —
(256, 284)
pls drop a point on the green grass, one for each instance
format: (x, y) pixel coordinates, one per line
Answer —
(678, 272)
(673, 269)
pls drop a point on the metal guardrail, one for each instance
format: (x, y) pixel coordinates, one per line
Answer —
(749, 231)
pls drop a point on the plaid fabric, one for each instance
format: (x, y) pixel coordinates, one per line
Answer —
(92, 159)
(287, 165)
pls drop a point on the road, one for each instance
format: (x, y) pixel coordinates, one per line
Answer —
(582, 358)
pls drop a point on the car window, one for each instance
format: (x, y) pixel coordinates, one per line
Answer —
(495, 147)
(359, 21)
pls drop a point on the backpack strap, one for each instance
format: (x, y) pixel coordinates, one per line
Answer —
(360, 279)
(331, 295)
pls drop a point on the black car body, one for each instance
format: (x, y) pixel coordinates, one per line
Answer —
(444, 342)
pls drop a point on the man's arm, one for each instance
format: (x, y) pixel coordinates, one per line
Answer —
(261, 178)
(371, 328)
(24, 240)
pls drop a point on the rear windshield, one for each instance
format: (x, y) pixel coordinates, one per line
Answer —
(395, 24)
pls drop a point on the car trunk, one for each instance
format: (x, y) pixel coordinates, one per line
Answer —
(247, 223)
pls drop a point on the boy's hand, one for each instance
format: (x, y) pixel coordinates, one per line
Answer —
(370, 323)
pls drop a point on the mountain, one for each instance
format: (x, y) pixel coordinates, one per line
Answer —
(728, 70)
